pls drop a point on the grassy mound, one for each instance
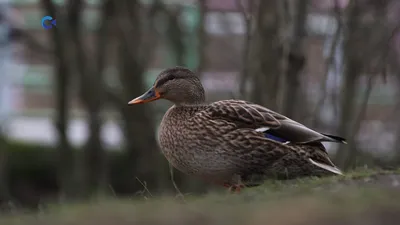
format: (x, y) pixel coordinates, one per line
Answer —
(363, 197)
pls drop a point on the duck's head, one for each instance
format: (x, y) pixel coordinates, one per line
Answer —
(178, 85)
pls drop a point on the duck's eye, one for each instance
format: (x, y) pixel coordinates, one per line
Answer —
(171, 77)
(165, 80)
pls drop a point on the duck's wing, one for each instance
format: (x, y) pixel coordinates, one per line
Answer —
(255, 156)
(239, 130)
(274, 125)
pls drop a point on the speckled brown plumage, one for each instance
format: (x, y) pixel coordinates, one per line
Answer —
(228, 142)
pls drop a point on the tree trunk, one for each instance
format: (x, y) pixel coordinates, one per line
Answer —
(396, 147)
(66, 158)
(139, 128)
(293, 96)
(5, 195)
(143, 161)
(61, 39)
(265, 54)
(176, 35)
(352, 70)
(363, 55)
(91, 74)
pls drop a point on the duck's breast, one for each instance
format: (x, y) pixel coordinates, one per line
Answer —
(189, 148)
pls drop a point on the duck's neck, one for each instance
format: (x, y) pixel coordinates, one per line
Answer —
(189, 104)
(190, 96)
(188, 108)
(185, 110)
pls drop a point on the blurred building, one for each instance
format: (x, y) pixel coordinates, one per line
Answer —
(225, 29)
(224, 26)
(11, 72)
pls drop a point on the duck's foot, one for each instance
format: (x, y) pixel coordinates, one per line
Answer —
(236, 188)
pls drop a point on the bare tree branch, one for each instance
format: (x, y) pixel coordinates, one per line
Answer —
(359, 118)
(329, 62)
(248, 18)
(385, 55)
(246, 12)
(356, 64)
(143, 52)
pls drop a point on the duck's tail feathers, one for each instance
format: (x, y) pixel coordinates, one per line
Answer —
(332, 169)
(336, 138)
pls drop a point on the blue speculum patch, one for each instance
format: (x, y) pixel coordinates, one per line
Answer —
(273, 137)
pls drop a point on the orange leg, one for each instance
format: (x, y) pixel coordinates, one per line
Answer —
(236, 188)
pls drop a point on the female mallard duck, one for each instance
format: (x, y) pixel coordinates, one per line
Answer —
(233, 142)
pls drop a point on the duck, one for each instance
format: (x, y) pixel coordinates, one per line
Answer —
(233, 143)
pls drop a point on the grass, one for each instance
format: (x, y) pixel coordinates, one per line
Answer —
(361, 197)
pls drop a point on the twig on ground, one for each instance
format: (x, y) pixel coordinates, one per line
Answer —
(145, 188)
(112, 190)
(179, 195)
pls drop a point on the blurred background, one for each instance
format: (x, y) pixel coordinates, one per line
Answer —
(66, 129)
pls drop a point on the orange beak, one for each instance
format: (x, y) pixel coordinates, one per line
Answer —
(148, 96)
